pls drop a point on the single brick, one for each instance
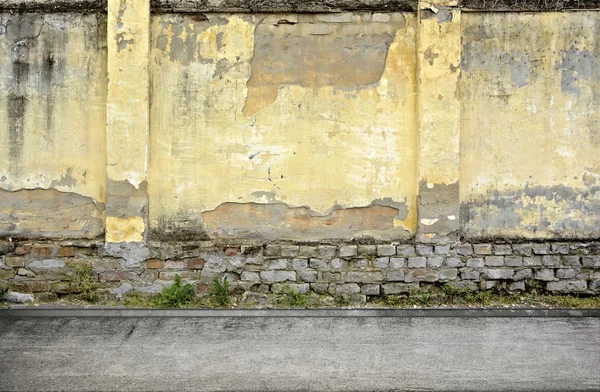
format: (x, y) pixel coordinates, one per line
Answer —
(46, 264)
(31, 286)
(579, 249)
(567, 286)
(513, 261)
(289, 250)
(14, 261)
(231, 251)
(424, 250)
(175, 265)
(278, 276)
(299, 264)
(22, 250)
(516, 286)
(359, 263)
(475, 262)
(421, 275)
(370, 289)
(494, 261)
(522, 274)
(271, 250)
(442, 249)
(405, 250)
(544, 274)
(308, 251)
(551, 261)
(571, 261)
(66, 251)
(560, 248)
(482, 249)
(386, 250)
(498, 273)
(448, 273)
(348, 251)
(301, 288)
(367, 250)
(417, 262)
(464, 249)
(502, 249)
(395, 276)
(319, 288)
(455, 262)
(541, 249)
(566, 273)
(155, 264)
(397, 262)
(346, 288)
(522, 249)
(309, 276)
(435, 262)
(332, 276)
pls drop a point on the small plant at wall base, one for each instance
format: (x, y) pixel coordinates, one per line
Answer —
(84, 280)
(293, 299)
(177, 295)
(220, 291)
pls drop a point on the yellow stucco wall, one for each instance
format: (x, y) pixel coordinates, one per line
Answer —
(530, 125)
(283, 126)
(52, 124)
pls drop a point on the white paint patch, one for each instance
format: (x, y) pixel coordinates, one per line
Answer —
(429, 222)
(451, 217)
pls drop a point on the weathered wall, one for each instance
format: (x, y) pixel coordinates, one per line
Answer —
(296, 126)
(530, 125)
(52, 124)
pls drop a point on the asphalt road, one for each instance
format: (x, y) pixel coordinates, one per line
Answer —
(307, 351)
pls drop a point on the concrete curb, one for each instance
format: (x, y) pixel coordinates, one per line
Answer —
(269, 313)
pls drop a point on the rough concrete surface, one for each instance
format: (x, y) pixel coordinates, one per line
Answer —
(299, 354)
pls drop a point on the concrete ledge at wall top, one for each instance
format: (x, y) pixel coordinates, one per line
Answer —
(299, 6)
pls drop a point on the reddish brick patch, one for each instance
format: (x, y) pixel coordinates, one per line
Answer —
(23, 250)
(195, 263)
(66, 251)
(231, 251)
(155, 264)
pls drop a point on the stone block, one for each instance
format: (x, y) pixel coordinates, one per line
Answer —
(386, 250)
(336, 264)
(278, 276)
(155, 264)
(516, 286)
(308, 251)
(571, 261)
(421, 275)
(522, 249)
(541, 249)
(424, 250)
(46, 264)
(299, 264)
(31, 286)
(399, 288)
(175, 265)
(513, 261)
(319, 288)
(417, 262)
(367, 250)
(272, 250)
(435, 262)
(395, 276)
(448, 274)
(545, 274)
(25, 272)
(318, 264)
(494, 261)
(382, 262)
(567, 286)
(348, 251)
(370, 289)
(6, 247)
(289, 250)
(469, 275)
(595, 286)
(482, 249)
(301, 288)
(503, 249)
(397, 262)
(533, 261)
(455, 262)
(363, 277)
(14, 261)
(359, 264)
(332, 276)
(405, 250)
(278, 264)
(22, 250)
(327, 251)
(591, 261)
(560, 248)
(344, 289)
(498, 273)
(566, 273)
(248, 276)
(441, 249)
(522, 274)
(309, 276)
(551, 261)
(464, 249)
(18, 298)
(7, 274)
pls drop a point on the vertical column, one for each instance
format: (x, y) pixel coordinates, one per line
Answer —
(127, 121)
(438, 62)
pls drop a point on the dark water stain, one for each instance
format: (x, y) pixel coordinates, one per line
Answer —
(48, 70)
(16, 109)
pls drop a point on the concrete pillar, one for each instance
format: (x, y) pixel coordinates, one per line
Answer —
(127, 123)
(438, 70)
